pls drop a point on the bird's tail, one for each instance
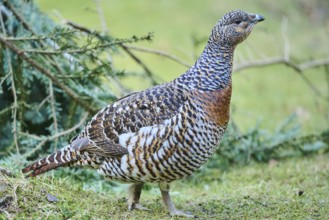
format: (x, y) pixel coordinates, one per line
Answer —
(64, 157)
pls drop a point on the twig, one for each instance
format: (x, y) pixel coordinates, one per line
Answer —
(141, 63)
(3, 111)
(26, 38)
(85, 48)
(4, 78)
(299, 68)
(36, 137)
(83, 119)
(53, 111)
(15, 106)
(13, 88)
(50, 75)
(160, 53)
(314, 64)
(43, 140)
(124, 47)
(263, 63)
(41, 143)
(42, 103)
(83, 29)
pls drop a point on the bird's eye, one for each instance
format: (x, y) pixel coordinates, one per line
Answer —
(238, 22)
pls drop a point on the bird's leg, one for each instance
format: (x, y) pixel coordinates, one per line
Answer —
(135, 191)
(164, 188)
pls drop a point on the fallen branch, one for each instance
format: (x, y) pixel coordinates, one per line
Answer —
(281, 60)
(299, 68)
(86, 48)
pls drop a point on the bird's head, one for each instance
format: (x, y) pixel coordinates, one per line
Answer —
(234, 27)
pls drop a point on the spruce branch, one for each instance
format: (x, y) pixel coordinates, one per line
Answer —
(30, 29)
(89, 47)
(43, 140)
(49, 74)
(122, 45)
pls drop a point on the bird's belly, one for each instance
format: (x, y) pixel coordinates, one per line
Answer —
(177, 157)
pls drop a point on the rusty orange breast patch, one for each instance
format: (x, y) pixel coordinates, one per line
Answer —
(216, 104)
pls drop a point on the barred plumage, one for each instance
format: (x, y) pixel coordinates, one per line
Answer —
(166, 132)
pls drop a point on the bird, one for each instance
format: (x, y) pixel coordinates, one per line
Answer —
(165, 132)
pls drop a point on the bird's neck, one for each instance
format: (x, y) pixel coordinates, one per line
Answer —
(212, 71)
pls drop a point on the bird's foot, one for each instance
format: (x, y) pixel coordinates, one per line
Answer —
(137, 206)
(177, 212)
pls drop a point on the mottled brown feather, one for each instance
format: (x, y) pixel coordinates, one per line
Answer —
(216, 104)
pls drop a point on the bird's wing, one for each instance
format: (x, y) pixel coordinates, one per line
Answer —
(128, 115)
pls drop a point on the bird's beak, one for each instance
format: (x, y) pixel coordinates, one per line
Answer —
(258, 18)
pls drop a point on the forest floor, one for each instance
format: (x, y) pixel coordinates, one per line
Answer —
(291, 189)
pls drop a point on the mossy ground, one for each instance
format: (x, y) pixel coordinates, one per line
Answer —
(292, 189)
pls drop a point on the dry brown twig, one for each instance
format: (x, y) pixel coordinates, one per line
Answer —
(298, 68)
(160, 53)
(123, 46)
(57, 135)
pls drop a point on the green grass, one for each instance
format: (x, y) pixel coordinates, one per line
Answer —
(269, 93)
(291, 189)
